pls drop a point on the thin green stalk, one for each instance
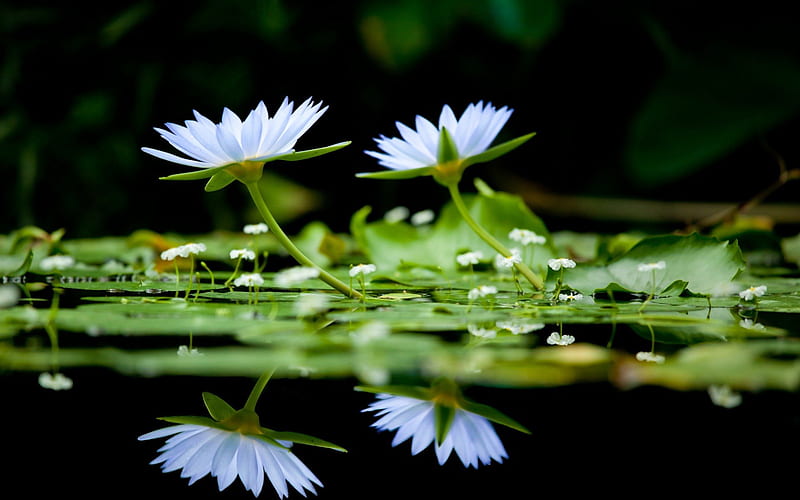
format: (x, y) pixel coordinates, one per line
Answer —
(290, 247)
(255, 393)
(531, 276)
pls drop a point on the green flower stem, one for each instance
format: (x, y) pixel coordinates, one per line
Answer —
(255, 393)
(531, 276)
(295, 252)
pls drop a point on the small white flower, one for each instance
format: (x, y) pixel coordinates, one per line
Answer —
(753, 292)
(185, 352)
(748, 323)
(650, 357)
(484, 333)
(471, 436)
(556, 338)
(481, 291)
(183, 251)
(501, 261)
(571, 296)
(226, 454)
(723, 395)
(519, 327)
(310, 304)
(396, 214)
(370, 331)
(526, 237)
(9, 295)
(57, 262)
(364, 269)
(55, 381)
(249, 280)
(422, 217)
(294, 275)
(469, 258)
(259, 228)
(556, 264)
(243, 253)
(651, 266)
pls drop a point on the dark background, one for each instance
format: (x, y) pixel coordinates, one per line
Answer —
(659, 100)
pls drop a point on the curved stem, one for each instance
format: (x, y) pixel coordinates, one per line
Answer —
(290, 247)
(531, 276)
(255, 393)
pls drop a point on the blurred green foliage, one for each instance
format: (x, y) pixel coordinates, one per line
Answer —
(654, 98)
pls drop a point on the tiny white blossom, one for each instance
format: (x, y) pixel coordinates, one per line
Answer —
(469, 258)
(55, 381)
(249, 280)
(243, 253)
(183, 251)
(294, 275)
(556, 264)
(750, 325)
(567, 297)
(556, 338)
(651, 266)
(309, 304)
(422, 217)
(753, 292)
(519, 327)
(396, 214)
(723, 395)
(485, 333)
(650, 357)
(259, 228)
(481, 291)
(185, 352)
(526, 237)
(501, 261)
(369, 332)
(364, 269)
(57, 262)
(9, 295)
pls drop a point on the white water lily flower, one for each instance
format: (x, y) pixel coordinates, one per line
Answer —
(556, 264)
(255, 139)
(753, 292)
(501, 261)
(200, 450)
(294, 275)
(481, 291)
(249, 280)
(471, 436)
(423, 217)
(556, 338)
(723, 395)
(57, 262)
(183, 251)
(55, 381)
(259, 228)
(526, 237)
(243, 253)
(469, 258)
(363, 269)
(650, 357)
(651, 266)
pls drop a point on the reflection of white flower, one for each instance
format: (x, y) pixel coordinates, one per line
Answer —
(472, 134)
(226, 454)
(556, 264)
(309, 304)
(484, 333)
(255, 228)
(481, 291)
(501, 261)
(571, 296)
(243, 253)
(363, 269)
(57, 262)
(185, 352)
(651, 266)
(370, 331)
(233, 140)
(471, 436)
(55, 381)
(183, 251)
(294, 275)
(753, 292)
(396, 214)
(557, 338)
(526, 237)
(422, 217)
(9, 295)
(249, 280)
(723, 395)
(750, 325)
(518, 327)
(650, 357)
(469, 258)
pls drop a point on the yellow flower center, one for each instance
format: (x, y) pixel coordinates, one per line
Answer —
(243, 421)
(449, 172)
(247, 171)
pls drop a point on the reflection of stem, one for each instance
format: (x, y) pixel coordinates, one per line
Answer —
(523, 268)
(50, 328)
(652, 292)
(290, 247)
(252, 399)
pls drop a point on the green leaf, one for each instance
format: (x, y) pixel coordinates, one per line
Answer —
(23, 268)
(497, 151)
(296, 437)
(217, 407)
(443, 416)
(193, 420)
(446, 150)
(492, 414)
(219, 180)
(311, 153)
(398, 174)
(204, 173)
(698, 263)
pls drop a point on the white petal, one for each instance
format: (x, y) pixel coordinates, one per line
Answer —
(230, 144)
(176, 159)
(224, 463)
